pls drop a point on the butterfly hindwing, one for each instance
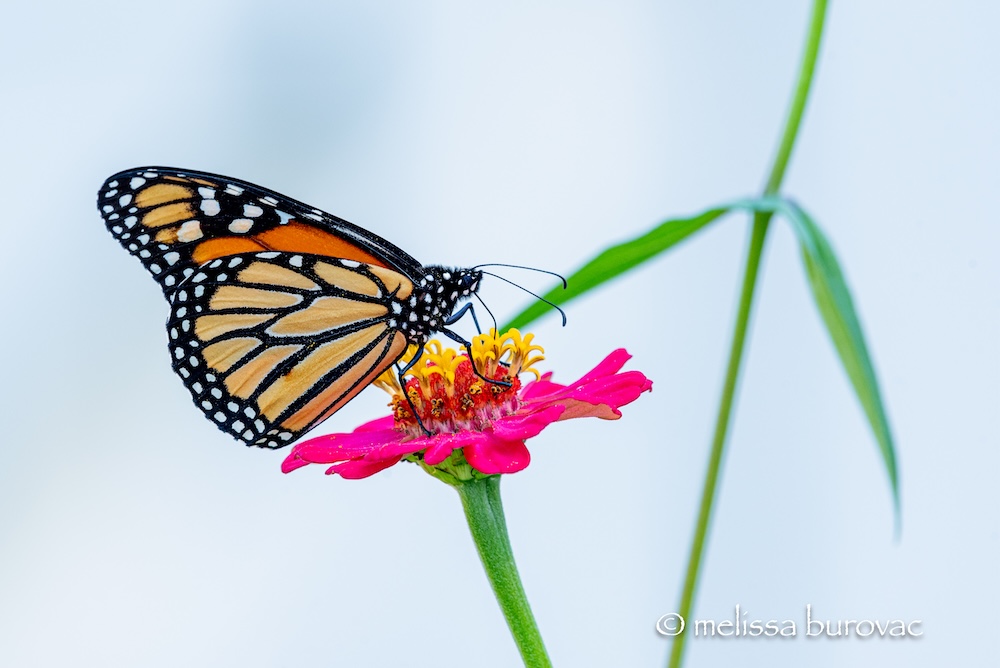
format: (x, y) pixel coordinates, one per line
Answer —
(270, 344)
(177, 220)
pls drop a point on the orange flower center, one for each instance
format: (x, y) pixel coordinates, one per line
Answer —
(447, 395)
(466, 403)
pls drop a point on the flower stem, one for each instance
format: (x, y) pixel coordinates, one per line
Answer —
(484, 512)
(758, 235)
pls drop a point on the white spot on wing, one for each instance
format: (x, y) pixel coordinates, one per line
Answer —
(190, 231)
(252, 210)
(210, 207)
(240, 225)
(136, 182)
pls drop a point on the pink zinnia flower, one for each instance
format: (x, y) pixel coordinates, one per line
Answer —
(473, 423)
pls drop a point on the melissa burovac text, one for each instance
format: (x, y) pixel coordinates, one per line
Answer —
(742, 625)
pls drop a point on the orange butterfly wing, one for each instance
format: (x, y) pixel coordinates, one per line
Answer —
(175, 221)
(280, 313)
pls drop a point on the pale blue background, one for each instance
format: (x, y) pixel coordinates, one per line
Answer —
(132, 533)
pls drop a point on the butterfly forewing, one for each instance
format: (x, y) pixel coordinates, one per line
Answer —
(270, 344)
(175, 221)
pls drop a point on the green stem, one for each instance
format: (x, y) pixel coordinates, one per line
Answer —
(484, 512)
(801, 95)
(758, 235)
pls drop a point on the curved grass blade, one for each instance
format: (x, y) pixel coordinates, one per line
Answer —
(622, 257)
(837, 310)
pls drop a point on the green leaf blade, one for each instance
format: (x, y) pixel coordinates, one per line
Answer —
(836, 307)
(620, 258)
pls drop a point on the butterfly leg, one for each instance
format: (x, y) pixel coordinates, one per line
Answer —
(457, 315)
(468, 348)
(402, 383)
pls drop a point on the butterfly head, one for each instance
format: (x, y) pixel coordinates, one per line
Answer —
(467, 281)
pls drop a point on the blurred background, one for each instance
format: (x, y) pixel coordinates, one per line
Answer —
(133, 533)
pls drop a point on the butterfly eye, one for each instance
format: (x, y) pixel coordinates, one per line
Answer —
(468, 282)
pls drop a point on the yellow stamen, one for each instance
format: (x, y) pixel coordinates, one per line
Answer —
(516, 352)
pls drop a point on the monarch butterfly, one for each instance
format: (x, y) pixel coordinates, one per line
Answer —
(279, 313)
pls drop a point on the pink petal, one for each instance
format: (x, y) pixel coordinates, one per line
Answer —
(399, 448)
(338, 447)
(599, 393)
(609, 366)
(603, 398)
(292, 462)
(496, 456)
(444, 444)
(378, 424)
(536, 387)
(522, 425)
(359, 468)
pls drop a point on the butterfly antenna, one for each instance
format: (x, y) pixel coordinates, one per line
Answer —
(517, 266)
(496, 327)
(538, 297)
